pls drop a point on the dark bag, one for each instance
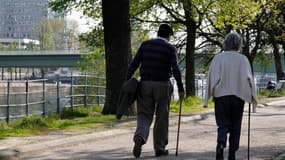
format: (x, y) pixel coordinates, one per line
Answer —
(127, 97)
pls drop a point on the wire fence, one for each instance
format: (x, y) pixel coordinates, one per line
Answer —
(19, 98)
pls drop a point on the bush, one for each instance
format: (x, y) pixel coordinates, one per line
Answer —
(271, 93)
(31, 122)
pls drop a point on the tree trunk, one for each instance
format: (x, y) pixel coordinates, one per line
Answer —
(190, 60)
(190, 49)
(116, 22)
(277, 58)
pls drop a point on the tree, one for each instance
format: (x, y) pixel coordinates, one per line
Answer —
(72, 35)
(117, 49)
(275, 28)
(116, 25)
(58, 29)
(45, 36)
(232, 15)
(209, 19)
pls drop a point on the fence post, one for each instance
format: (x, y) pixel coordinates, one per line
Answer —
(2, 73)
(8, 102)
(27, 97)
(57, 94)
(97, 91)
(71, 91)
(44, 97)
(85, 90)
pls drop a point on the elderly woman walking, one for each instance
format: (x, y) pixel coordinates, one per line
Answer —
(231, 83)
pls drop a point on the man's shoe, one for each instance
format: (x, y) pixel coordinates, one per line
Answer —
(138, 146)
(220, 152)
(232, 155)
(161, 153)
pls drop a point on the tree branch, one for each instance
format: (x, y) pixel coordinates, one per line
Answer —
(172, 14)
(152, 21)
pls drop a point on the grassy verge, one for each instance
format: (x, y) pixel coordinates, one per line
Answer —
(82, 117)
(190, 105)
(271, 93)
(79, 118)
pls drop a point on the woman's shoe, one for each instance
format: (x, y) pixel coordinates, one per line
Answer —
(220, 152)
(161, 153)
(232, 155)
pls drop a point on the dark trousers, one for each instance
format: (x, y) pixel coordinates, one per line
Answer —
(228, 114)
(154, 98)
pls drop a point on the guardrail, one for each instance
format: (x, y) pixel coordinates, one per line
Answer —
(19, 98)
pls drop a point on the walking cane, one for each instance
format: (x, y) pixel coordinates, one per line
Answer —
(248, 136)
(178, 131)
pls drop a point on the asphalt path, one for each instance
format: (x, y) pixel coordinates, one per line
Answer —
(197, 140)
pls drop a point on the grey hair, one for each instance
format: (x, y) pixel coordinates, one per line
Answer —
(232, 42)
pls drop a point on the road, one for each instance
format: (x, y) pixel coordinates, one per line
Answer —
(197, 140)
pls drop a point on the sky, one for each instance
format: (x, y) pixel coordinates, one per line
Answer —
(82, 21)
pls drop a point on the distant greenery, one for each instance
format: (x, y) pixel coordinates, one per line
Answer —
(271, 93)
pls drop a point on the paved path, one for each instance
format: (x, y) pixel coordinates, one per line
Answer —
(197, 140)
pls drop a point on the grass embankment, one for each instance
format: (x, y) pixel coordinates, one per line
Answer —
(79, 118)
(271, 93)
(190, 105)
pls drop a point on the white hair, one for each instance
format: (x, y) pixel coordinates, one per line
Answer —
(232, 41)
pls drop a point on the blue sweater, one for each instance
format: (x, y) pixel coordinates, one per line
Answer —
(157, 60)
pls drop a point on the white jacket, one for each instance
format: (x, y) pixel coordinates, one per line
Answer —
(230, 74)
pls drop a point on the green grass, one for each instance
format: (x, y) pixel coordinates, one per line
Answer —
(269, 93)
(81, 117)
(190, 105)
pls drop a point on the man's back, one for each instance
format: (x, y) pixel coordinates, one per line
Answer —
(156, 56)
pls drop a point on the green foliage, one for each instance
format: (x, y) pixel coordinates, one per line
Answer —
(94, 62)
(89, 8)
(1, 47)
(81, 117)
(76, 112)
(189, 105)
(31, 122)
(12, 46)
(236, 13)
(69, 113)
(271, 93)
(32, 46)
(45, 36)
(263, 59)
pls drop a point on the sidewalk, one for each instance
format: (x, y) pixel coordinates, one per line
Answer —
(267, 139)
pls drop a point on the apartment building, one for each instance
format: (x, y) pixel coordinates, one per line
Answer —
(18, 18)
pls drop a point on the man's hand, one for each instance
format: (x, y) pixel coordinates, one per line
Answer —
(181, 96)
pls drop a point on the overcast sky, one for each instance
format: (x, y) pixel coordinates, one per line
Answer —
(82, 21)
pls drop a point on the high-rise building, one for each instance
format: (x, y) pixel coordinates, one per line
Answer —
(19, 19)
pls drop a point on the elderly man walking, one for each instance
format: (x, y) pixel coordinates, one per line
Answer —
(157, 60)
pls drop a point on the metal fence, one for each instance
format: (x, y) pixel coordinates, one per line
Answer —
(19, 98)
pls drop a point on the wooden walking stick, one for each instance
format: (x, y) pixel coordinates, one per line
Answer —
(248, 136)
(178, 130)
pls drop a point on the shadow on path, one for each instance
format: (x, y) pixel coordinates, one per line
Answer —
(120, 153)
